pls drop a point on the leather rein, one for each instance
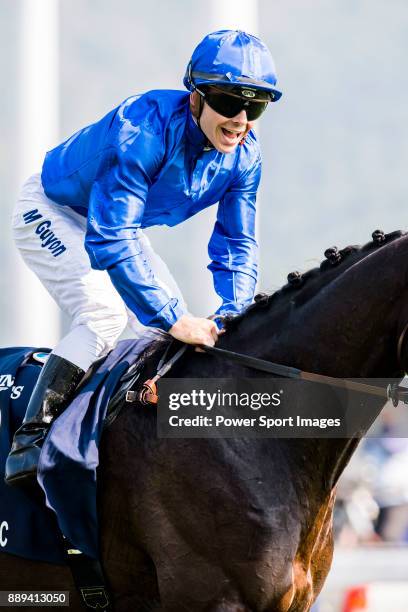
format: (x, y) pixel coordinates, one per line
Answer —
(148, 393)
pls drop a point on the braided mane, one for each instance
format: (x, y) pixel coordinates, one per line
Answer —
(300, 286)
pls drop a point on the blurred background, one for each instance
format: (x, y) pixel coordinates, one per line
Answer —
(335, 158)
(335, 147)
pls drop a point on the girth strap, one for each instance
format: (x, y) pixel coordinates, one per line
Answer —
(88, 577)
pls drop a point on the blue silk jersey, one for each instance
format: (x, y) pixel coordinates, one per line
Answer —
(146, 163)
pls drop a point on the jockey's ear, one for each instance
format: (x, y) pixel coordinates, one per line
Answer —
(194, 103)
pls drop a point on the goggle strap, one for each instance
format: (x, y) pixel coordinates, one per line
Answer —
(227, 77)
(220, 90)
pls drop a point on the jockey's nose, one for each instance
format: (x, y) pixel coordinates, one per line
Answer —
(241, 117)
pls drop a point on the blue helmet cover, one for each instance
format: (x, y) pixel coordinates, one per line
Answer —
(230, 57)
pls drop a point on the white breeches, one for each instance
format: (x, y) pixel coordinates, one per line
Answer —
(51, 239)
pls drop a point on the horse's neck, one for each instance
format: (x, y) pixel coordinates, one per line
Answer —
(310, 460)
(319, 462)
(344, 325)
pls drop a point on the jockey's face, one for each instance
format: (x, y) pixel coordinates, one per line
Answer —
(223, 133)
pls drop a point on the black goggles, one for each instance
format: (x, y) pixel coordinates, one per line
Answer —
(229, 104)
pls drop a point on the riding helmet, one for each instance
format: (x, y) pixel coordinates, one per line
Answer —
(232, 57)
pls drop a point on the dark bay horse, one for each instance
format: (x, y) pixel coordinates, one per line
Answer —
(243, 525)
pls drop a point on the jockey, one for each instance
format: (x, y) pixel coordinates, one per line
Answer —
(156, 159)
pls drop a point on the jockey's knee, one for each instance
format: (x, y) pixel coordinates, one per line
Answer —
(91, 337)
(102, 327)
(109, 329)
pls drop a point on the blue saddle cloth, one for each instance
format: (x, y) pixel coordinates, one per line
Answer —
(68, 462)
(27, 528)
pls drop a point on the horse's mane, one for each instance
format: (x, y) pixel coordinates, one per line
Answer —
(301, 287)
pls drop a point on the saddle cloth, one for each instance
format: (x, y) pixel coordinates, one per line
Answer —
(27, 528)
(69, 457)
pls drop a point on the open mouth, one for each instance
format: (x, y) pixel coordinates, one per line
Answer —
(232, 136)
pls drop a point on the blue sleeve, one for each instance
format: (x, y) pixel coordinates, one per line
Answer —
(115, 215)
(233, 248)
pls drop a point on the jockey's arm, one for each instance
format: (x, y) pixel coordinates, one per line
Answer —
(113, 243)
(233, 248)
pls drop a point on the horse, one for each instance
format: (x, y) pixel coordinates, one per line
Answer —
(243, 524)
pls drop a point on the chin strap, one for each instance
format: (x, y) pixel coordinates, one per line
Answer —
(209, 144)
(200, 112)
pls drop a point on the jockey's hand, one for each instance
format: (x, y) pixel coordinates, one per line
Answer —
(195, 330)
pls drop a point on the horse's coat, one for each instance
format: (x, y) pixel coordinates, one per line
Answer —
(239, 525)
